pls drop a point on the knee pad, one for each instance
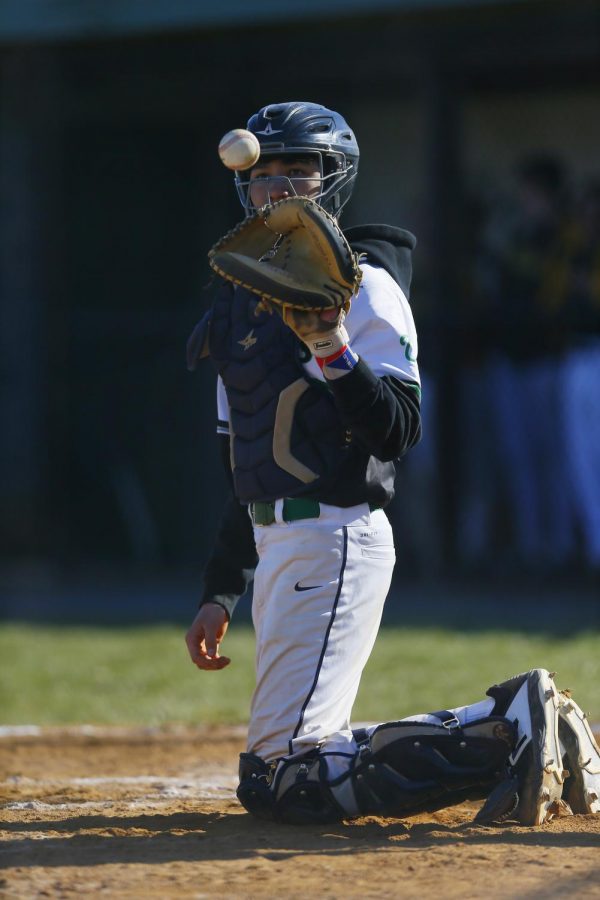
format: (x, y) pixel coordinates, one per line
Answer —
(408, 766)
(293, 791)
(254, 790)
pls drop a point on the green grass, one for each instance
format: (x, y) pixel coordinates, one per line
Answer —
(68, 675)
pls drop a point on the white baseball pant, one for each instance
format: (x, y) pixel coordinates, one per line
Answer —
(319, 590)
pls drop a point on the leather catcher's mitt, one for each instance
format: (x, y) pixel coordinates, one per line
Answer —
(293, 254)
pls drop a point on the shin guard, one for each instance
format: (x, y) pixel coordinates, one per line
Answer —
(409, 766)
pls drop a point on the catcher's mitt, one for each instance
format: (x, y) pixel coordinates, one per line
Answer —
(293, 254)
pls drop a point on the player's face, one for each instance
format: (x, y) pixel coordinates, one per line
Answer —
(277, 179)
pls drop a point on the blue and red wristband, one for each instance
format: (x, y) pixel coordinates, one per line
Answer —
(343, 360)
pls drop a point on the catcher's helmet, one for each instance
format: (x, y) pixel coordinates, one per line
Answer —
(297, 129)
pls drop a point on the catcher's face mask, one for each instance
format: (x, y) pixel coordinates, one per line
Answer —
(275, 177)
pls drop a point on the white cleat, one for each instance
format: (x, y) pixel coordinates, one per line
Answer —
(582, 788)
(539, 769)
(536, 772)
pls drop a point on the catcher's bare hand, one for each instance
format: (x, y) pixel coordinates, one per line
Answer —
(308, 323)
(205, 635)
(323, 332)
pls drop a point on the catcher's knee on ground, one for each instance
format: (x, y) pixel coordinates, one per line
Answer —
(401, 768)
(293, 791)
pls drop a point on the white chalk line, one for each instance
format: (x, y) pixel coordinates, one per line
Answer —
(162, 791)
(139, 803)
(118, 731)
(19, 731)
(151, 780)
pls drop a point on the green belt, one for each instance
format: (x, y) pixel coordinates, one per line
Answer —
(294, 508)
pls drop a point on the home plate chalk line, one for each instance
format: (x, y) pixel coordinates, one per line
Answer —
(112, 731)
(143, 791)
(156, 790)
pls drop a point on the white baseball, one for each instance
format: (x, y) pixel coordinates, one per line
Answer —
(239, 149)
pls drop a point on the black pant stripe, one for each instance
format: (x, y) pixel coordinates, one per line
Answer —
(326, 640)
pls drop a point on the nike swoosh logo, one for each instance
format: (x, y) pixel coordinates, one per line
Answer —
(308, 587)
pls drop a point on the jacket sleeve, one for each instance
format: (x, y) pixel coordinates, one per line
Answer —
(230, 567)
(383, 413)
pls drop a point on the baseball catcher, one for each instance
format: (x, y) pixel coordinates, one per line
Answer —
(318, 396)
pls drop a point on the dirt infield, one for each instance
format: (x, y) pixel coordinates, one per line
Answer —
(129, 814)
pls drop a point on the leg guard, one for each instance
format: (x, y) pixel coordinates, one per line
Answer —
(293, 791)
(401, 768)
(409, 766)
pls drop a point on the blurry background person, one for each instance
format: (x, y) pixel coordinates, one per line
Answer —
(520, 303)
(581, 372)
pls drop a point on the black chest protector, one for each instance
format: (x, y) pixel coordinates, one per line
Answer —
(286, 435)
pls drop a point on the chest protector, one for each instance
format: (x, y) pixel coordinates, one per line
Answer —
(286, 435)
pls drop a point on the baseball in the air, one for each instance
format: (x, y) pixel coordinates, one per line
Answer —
(239, 149)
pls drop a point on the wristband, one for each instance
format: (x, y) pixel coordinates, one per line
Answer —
(341, 361)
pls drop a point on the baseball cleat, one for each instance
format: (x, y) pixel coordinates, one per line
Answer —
(533, 789)
(582, 787)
